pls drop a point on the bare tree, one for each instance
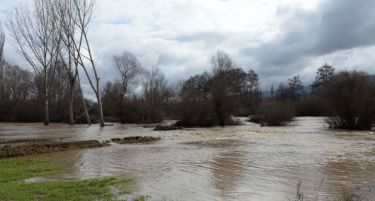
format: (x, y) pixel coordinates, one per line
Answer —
(85, 110)
(222, 64)
(2, 62)
(129, 68)
(17, 83)
(322, 79)
(155, 92)
(37, 35)
(282, 92)
(67, 54)
(196, 106)
(252, 92)
(72, 39)
(295, 87)
(79, 14)
(351, 98)
(17, 88)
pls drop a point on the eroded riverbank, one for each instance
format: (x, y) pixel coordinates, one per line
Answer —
(247, 162)
(24, 147)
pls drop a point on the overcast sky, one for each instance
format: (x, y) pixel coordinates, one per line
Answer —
(276, 38)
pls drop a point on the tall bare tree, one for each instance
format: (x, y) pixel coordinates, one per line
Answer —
(129, 68)
(37, 34)
(155, 92)
(72, 45)
(351, 96)
(295, 87)
(76, 16)
(85, 110)
(2, 42)
(322, 79)
(222, 64)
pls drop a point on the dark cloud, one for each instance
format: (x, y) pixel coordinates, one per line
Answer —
(334, 26)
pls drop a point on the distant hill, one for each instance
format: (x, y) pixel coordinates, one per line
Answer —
(307, 89)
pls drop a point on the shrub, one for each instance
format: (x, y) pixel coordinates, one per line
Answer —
(275, 113)
(197, 114)
(351, 98)
(312, 105)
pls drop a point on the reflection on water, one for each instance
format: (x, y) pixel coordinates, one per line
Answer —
(236, 163)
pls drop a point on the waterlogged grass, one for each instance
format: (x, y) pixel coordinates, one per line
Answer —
(95, 189)
(14, 171)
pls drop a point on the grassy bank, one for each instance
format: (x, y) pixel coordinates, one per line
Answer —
(14, 171)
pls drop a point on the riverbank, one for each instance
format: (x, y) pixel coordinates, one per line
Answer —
(26, 147)
(15, 172)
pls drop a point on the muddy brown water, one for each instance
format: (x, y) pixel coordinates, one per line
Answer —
(246, 162)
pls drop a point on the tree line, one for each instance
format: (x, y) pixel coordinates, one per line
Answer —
(53, 37)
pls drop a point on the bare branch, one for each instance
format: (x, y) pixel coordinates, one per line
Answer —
(37, 35)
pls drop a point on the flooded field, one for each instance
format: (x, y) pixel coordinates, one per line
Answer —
(246, 162)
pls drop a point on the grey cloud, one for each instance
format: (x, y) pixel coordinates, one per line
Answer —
(335, 25)
(207, 37)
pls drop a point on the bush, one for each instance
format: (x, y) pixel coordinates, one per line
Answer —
(138, 111)
(351, 98)
(197, 115)
(312, 106)
(275, 113)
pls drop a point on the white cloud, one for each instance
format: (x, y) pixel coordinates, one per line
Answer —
(180, 36)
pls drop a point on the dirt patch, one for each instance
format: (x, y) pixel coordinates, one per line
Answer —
(135, 140)
(167, 128)
(32, 147)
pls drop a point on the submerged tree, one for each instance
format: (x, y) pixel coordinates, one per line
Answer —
(75, 17)
(2, 62)
(351, 98)
(155, 92)
(222, 64)
(38, 38)
(195, 102)
(129, 68)
(68, 54)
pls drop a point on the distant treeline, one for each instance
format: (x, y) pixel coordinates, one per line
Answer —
(53, 38)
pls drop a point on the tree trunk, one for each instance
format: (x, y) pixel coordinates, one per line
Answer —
(101, 115)
(121, 111)
(71, 101)
(46, 96)
(87, 115)
(46, 107)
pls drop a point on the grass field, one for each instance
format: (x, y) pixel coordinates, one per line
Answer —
(13, 187)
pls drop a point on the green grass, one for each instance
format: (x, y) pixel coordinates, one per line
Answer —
(95, 189)
(14, 171)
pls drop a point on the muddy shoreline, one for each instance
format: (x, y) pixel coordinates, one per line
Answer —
(27, 147)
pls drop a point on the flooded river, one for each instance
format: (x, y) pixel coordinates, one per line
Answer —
(246, 162)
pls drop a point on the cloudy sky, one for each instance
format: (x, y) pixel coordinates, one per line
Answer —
(276, 38)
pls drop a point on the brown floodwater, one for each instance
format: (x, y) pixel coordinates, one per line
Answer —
(245, 162)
